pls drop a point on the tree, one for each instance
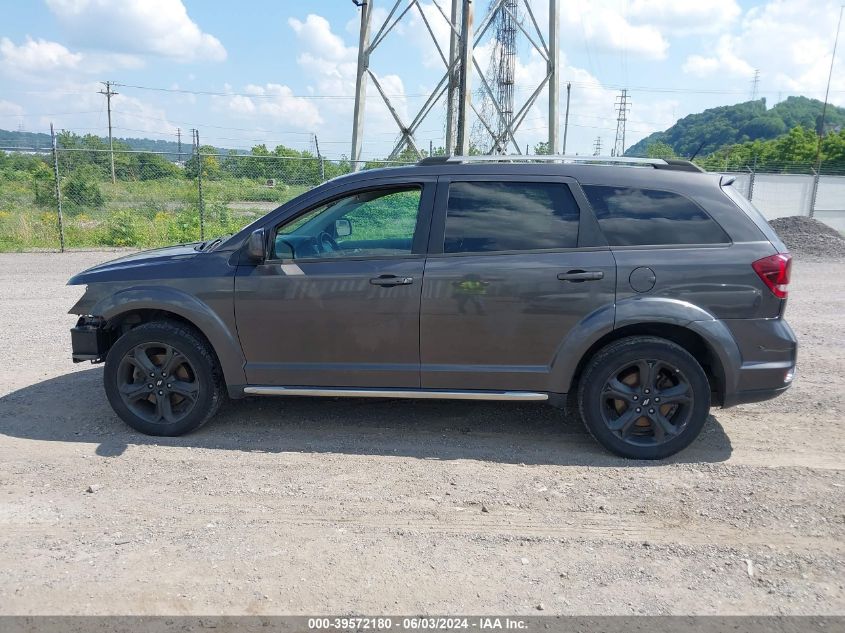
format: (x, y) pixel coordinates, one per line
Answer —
(718, 128)
(210, 164)
(660, 149)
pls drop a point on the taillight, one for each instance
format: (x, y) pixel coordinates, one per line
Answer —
(774, 271)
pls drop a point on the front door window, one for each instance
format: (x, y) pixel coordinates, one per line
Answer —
(374, 223)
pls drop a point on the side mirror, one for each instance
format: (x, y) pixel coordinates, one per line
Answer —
(343, 227)
(255, 248)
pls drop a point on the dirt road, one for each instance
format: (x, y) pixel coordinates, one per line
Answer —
(337, 506)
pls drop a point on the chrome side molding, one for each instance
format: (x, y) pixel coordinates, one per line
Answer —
(258, 390)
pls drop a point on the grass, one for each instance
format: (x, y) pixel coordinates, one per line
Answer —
(141, 214)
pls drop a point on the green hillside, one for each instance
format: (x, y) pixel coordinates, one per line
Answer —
(13, 139)
(740, 123)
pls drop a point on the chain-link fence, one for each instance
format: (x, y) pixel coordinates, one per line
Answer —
(155, 198)
(161, 198)
(795, 189)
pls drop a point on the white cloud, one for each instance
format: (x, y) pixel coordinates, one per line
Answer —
(419, 34)
(278, 102)
(685, 18)
(270, 104)
(158, 27)
(790, 42)
(42, 60)
(604, 26)
(36, 56)
(9, 109)
(725, 61)
(331, 65)
(133, 116)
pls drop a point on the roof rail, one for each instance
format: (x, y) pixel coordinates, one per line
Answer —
(657, 163)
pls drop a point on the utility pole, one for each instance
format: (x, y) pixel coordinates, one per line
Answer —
(179, 142)
(554, 75)
(566, 117)
(465, 80)
(361, 82)
(597, 146)
(623, 106)
(109, 94)
(196, 140)
(755, 83)
(320, 157)
(824, 112)
(58, 189)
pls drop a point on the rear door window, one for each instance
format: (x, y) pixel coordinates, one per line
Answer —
(488, 216)
(634, 217)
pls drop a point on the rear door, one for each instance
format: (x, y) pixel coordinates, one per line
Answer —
(514, 264)
(337, 301)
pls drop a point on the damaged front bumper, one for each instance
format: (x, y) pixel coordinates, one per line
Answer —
(89, 339)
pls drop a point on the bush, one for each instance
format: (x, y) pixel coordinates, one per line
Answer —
(81, 189)
(121, 229)
(44, 185)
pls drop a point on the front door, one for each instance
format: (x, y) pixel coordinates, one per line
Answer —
(510, 272)
(337, 302)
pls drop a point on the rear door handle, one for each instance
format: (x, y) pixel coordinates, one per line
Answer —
(581, 275)
(391, 280)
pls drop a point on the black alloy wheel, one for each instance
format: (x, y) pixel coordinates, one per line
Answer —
(158, 383)
(163, 378)
(647, 402)
(644, 397)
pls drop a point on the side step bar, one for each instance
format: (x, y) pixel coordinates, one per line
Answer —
(396, 393)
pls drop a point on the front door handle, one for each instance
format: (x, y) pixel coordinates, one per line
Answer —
(581, 275)
(391, 280)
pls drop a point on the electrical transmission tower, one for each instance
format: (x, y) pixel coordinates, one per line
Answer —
(623, 106)
(501, 71)
(755, 84)
(109, 94)
(503, 115)
(597, 146)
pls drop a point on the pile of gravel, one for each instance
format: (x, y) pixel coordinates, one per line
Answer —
(809, 237)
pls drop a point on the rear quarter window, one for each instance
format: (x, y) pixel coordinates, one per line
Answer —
(638, 217)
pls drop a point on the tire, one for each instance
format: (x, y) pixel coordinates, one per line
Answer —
(148, 397)
(652, 377)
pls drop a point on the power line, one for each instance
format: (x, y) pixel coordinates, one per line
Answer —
(213, 93)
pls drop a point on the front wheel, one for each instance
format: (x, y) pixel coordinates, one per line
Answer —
(162, 378)
(644, 397)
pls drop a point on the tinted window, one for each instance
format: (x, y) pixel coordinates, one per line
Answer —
(509, 216)
(647, 216)
(369, 223)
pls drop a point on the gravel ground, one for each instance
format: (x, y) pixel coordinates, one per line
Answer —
(809, 238)
(307, 506)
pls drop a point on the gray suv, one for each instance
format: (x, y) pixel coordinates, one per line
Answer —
(635, 293)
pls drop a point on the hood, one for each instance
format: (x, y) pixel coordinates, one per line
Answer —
(143, 265)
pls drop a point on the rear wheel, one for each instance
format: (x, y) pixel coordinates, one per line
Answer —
(644, 397)
(162, 378)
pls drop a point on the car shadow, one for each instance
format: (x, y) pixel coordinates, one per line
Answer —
(73, 408)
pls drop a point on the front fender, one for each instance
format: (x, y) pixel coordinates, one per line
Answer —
(222, 338)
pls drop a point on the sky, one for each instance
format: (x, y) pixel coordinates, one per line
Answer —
(282, 71)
